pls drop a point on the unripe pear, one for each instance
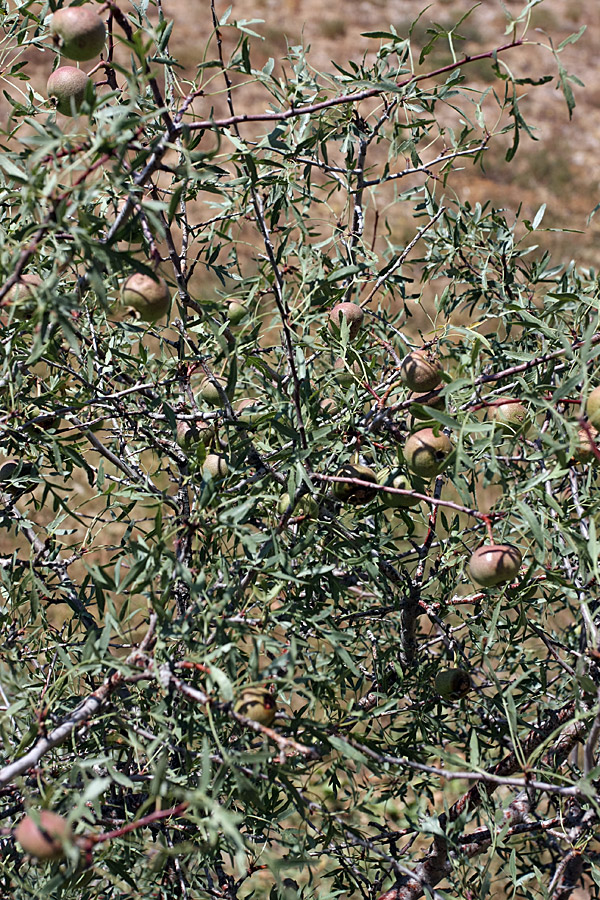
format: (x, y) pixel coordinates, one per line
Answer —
(345, 374)
(44, 840)
(190, 433)
(78, 32)
(148, 295)
(215, 465)
(452, 684)
(352, 313)
(584, 451)
(493, 564)
(401, 482)
(67, 86)
(306, 506)
(257, 704)
(209, 392)
(419, 372)
(22, 294)
(426, 452)
(356, 494)
(592, 407)
(435, 402)
(249, 409)
(23, 472)
(511, 418)
(235, 311)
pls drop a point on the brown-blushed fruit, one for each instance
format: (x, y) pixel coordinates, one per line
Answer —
(215, 465)
(249, 409)
(17, 477)
(493, 564)
(346, 374)
(351, 312)
(148, 295)
(435, 402)
(45, 839)
(67, 86)
(356, 494)
(257, 704)
(584, 449)
(78, 32)
(401, 482)
(419, 371)
(209, 391)
(235, 311)
(452, 684)
(510, 418)
(190, 433)
(426, 452)
(592, 407)
(22, 295)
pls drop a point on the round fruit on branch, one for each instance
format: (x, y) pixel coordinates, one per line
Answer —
(78, 32)
(399, 481)
(426, 452)
(452, 684)
(592, 407)
(209, 391)
(215, 465)
(351, 312)
(235, 311)
(420, 372)
(66, 87)
(356, 494)
(43, 835)
(510, 417)
(257, 704)
(493, 564)
(146, 294)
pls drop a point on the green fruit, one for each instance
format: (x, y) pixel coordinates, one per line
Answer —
(67, 86)
(493, 564)
(510, 418)
(149, 296)
(306, 506)
(44, 835)
(592, 407)
(584, 451)
(426, 452)
(249, 410)
(402, 483)
(419, 372)
(357, 495)
(433, 403)
(78, 32)
(209, 392)
(452, 684)
(257, 704)
(235, 311)
(190, 433)
(17, 477)
(345, 374)
(215, 465)
(352, 313)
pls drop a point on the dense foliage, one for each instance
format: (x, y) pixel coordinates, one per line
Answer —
(217, 499)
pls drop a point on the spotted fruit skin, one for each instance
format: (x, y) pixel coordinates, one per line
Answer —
(592, 407)
(399, 481)
(44, 841)
(452, 684)
(78, 32)
(355, 494)
(426, 452)
(148, 296)
(351, 312)
(257, 704)
(67, 86)
(511, 418)
(419, 372)
(493, 564)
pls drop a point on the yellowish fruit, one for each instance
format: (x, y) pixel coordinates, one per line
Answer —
(306, 506)
(401, 482)
(43, 836)
(257, 704)
(190, 433)
(148, 296)
(356, 494)
(351, 312)
(510, 418)
(584, 449)
(592, 407)
(493, 564)
(420, 372)
(215, 465)
(452, 684)
(209, 391)
(426, 452)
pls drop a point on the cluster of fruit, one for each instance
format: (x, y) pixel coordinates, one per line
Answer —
(78, 33)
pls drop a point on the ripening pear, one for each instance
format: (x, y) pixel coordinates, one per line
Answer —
(78, 32)
(493, 564)
(351, 312)
(420, 372)
(66, 87)
(452, 684)
(257, 704)
(43, 836)
(356, 494)
(148, 295)
(426, 452)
